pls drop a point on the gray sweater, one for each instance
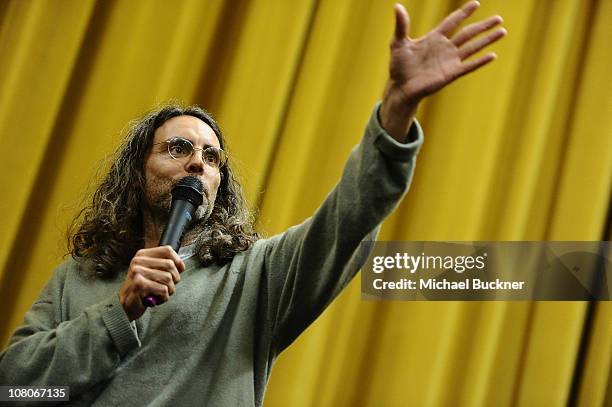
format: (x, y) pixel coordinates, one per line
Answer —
(215, 341)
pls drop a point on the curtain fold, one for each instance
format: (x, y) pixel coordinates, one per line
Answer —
(521, 150)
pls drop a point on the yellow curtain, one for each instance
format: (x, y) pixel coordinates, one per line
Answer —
(521, 150)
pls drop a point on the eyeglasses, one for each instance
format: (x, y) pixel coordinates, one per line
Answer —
(180, 148)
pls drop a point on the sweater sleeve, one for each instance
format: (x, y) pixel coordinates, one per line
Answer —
(80, 352)
(308, 265)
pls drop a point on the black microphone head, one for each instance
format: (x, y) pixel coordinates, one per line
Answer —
(189, 188)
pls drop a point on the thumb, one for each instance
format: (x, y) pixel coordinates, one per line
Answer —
(402, 22)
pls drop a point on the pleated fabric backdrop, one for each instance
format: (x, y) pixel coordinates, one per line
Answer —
(521, 150)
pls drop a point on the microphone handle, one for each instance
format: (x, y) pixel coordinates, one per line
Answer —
(181, 213)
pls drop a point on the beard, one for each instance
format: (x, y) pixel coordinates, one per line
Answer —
(158, 202)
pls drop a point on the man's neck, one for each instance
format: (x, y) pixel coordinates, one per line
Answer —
(153, 230)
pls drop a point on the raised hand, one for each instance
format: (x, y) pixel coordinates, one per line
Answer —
(420, 67)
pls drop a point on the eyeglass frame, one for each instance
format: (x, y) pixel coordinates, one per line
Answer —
(223, 156)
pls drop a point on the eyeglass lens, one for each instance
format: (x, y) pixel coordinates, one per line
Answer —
(183, 148)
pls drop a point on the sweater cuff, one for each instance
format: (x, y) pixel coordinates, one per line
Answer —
(391, 147)
(119, 326)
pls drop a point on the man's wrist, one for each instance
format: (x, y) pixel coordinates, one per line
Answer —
(397, 112)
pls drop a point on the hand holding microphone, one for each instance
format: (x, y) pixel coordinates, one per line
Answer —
(155, 271)
(152, 271)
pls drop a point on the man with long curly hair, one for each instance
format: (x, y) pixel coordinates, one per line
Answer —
(131, 206)
(231, 302)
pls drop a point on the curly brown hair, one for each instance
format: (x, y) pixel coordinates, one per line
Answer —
(109, 229)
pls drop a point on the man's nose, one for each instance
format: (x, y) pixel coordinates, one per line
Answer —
(195, 165)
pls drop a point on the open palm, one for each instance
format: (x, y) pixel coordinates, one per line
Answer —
(420, 67)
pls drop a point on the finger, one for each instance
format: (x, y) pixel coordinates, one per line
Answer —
(476, 45)
(165, 252)
(454, 19)
(160, 291)
(146, 287)
(473, 64)
(159, 277)
(473, 30)
(402, 22)
(165, 265)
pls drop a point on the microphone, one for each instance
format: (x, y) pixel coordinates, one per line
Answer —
(186, 197)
